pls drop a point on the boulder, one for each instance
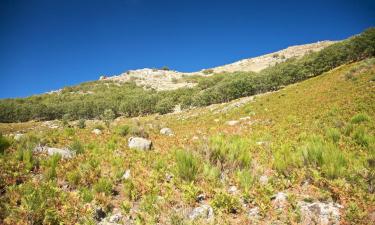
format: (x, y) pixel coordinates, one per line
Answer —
(64, 153)
(320, 213)
(139, 143)
(203, 212)
(166, 131)
(96, 131)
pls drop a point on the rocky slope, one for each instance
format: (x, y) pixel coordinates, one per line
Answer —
(171, 80)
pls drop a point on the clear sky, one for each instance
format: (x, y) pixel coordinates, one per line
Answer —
(48, 44)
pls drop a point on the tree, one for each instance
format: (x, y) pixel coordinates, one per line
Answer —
(108, 116)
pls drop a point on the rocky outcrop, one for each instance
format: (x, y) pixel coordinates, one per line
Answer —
(64, 153)
(202, 212)
(320, 213)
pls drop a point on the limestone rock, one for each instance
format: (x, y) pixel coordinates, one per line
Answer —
(139, 143)
(166, 131)
(203, 211)
(320, 213)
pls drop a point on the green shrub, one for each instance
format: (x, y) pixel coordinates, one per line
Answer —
(187, 165)
(108, 116)
(4, 144)
(333, 134)
(226, 203)
(131, 191)
(139, 132)
(360, 117)
(81, 123)
(208, 71)
(77, 147)
(73, 177)
(233, 151)
(86, 195)
(245, 179)
(326, 156)
(361, 137)
(286, 158)
(123, 130)
(51, 173)
(165, 106)
(104, 185)
(210, 172)
(165, 68)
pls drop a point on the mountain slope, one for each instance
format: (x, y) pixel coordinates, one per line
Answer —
(268, 174)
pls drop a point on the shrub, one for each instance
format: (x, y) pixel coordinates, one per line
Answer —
(108, 116)
(326, 156)
(104, 185)
(51, 173)
(286, 159)
(234, 151)
(245, 179)
(208, 71)
(130, 190)
(187, 165)
(165, 105)
(226, 203)
(333, 134)
(165, 68)
(361, 137)
(123, 130)
(77, 147)
(360, 117)
(86, 195)
(211, 173)
(139, 132)
(81, 123)
(73, 177)
(4, 144)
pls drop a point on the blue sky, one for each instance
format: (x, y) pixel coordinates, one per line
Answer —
(48, 44)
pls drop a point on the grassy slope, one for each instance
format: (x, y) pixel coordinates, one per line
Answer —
(284, 119)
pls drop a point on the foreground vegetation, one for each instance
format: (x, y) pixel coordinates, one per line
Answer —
(92, 99)
(314, 141)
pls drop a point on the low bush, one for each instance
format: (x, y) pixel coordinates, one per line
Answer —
(4, 144)
(333, 134)
(81, 123)
(104, 185)
(359, 118)
(123, 130)
(77, 147)
(187, 165)
(226, 203)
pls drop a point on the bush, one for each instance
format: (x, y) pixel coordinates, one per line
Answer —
(333, 134)
(51, 173)
(326, 156)
(77, 147)
(245, 179)
(208, 71)
(123, 130)
(187, 165)
(81, 123)
(108, 116)
(226, 203)
(73, 177)
(103, 185)
(4, 144)
(165, 68)
(165, 106)
(286, 158)
(233, 151)
(361, 137)
(359, 118)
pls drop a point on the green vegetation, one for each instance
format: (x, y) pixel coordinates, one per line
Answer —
(107, 99)
(187, 165)
(4, 144)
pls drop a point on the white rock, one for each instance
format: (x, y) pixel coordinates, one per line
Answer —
(232, 122)
(139, 143)
(126, 175)
(203, 211)
(166, 131)
(97, 131)
(280, 200)
(18, 136)
(245, 118)
(320, 213)
(254, 213)
(65, 153)
(263, 180)
(232, 190)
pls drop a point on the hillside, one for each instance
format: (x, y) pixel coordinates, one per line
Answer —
(165, 79)
(101, 98)
(303, 154)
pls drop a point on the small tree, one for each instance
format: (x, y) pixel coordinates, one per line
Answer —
(81, 123)
(108, 116)
(165, 68)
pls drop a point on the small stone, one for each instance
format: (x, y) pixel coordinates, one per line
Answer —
(232, 190)
(201, 197)
(115, 218)
(96, 131)
(99, 214)
(216, 120)
(280, 200)
(232, 122)
(166, 131)
(168, 177)
(245, 118)
(203, 211)
(126, 175)
(254, 213)
(263, 180)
